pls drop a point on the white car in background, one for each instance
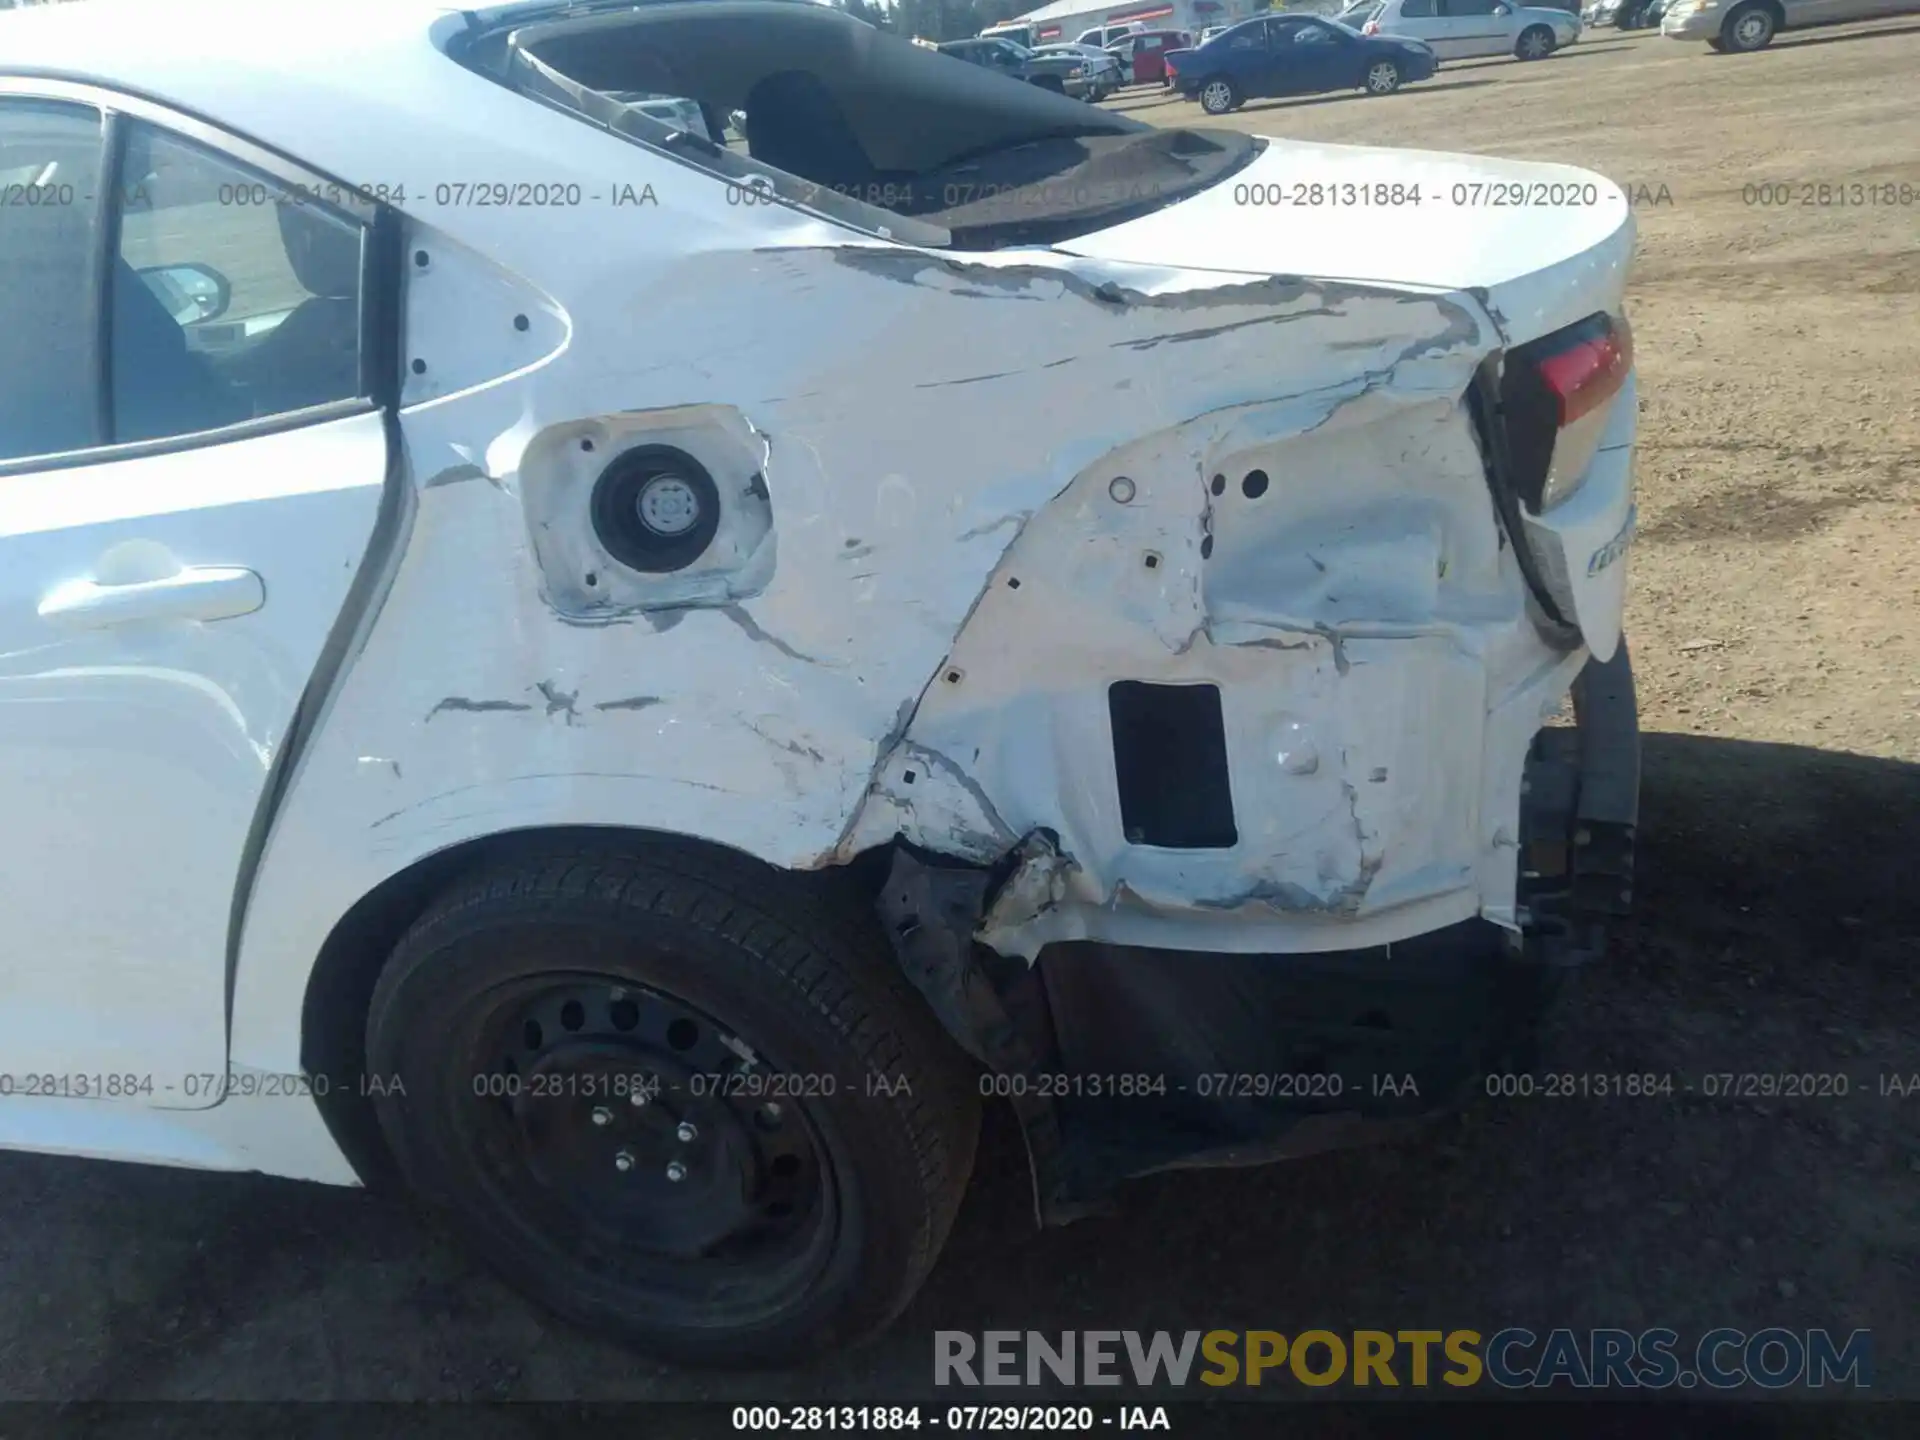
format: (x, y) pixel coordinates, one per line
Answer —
(656, 675)
(1461, 29)
(1103, 69)
(1742, 26)
(1101, 36)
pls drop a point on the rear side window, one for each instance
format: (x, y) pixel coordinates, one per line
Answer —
(233, 298)
(182, 295)
(50, 180)
(1458, 8)
(1416, 9)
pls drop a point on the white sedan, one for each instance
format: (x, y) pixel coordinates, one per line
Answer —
(1461, 29)
(631, 679)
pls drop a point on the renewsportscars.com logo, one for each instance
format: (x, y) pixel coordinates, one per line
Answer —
(1513, 1358)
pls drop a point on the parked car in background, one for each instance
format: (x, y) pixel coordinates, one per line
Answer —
(1739, 26)
(1458, 29)
(1104, 73)
(1017, 31)
(1295, 55)
(1105, 35)
(1356, 15)
(1145, 54)
(1064, 73)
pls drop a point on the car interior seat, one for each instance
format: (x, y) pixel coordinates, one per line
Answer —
(313, 356)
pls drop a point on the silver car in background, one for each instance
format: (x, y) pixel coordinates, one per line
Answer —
(1103, 69)
(1460, 29)
(1742, 25)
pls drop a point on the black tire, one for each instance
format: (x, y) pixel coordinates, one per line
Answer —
(865, 1185)
(1219, 95)
(1749, 28)
(1535, 43)
(1717, 45)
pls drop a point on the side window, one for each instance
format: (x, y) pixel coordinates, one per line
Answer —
(49, 246)
(1457, 8)
(1249, 37)
(1416, 9)
(1313, 35)
(233, 298)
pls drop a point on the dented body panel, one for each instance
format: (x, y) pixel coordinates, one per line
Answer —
(962, 495)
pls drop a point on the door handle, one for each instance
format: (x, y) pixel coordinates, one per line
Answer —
(204, 592)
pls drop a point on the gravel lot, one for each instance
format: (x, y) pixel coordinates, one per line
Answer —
(1775, 593)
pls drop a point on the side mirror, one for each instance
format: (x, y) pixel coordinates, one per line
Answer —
(193, 293)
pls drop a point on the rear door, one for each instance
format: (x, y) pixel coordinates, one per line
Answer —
(192, 463)
(1421, 20)
(1247, 59)
(1477, 27)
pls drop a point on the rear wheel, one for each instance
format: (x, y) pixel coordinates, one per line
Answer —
(1535, 43)
(1383, 77)
(641, 1083)
(1751, 27)
(1218, 96)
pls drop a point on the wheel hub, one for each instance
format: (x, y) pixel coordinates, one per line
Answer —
(646, 1124)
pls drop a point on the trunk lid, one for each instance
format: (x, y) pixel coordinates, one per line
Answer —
(1540, 245)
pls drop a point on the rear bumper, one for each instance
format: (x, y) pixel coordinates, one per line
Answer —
(1123, 1060)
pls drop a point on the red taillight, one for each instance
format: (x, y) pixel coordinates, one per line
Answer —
(1591, 372)
(1548, 388)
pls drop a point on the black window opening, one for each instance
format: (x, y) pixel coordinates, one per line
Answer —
(155, 289)
(1170, 761)
(823, 111)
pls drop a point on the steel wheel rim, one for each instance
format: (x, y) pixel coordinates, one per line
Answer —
(696, 1182)
(1535, 46)
(1216, 95)
(1381, 78)
(1750, 28)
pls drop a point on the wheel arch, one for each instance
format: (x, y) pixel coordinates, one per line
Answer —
(340, 984)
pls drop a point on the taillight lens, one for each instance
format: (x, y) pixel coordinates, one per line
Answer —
(1555, 395)
(1591, 371)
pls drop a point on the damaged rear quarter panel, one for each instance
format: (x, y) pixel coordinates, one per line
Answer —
(924, 423)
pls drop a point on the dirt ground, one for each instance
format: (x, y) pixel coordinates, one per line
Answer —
(1776, 591)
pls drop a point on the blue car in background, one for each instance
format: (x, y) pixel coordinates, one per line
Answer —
(1294, 55)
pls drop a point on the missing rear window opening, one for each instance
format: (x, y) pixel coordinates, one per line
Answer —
(826, 112)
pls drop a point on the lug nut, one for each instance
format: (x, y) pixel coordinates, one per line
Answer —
(676, 1172)
(602, 1115)
(686, 1132)
(623, 1161)
(637, 1097)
